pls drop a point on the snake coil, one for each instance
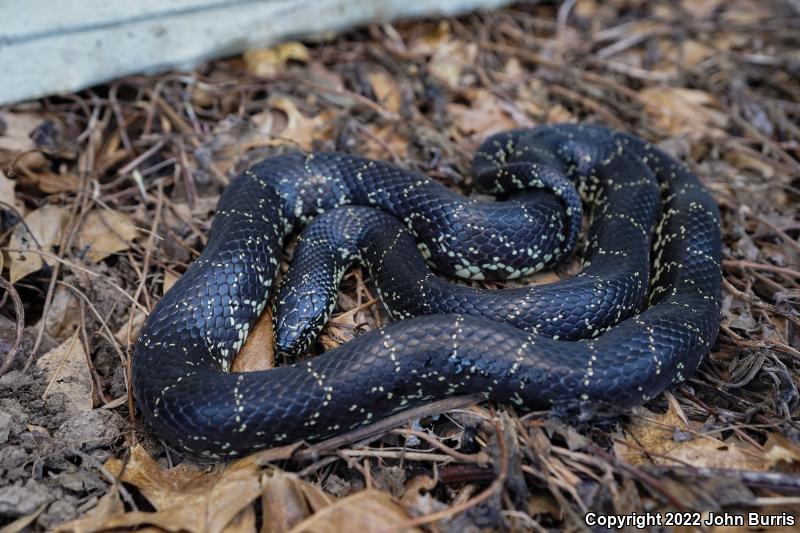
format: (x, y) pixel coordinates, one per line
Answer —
(639, 316)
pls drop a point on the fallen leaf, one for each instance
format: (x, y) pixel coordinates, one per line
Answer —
(100, 516)
(186, 497)
(746, 14)
(64, 313)
(652, 438)
(700, 8)
(128, 332)
(430, 41)
(486, 114)
(694, 52)
(450, 60)
(258, 352)
(384, 142)
(51, 183)
(745, 161)
(680, 110)
(244, 522)
(365, 511)
(39, 230)
(779, 449)
(15, 138)
(8, 194)
(105, 232)
(170, 278)
(386, 90)
(340, 328)
(559, 113)
(266, 62)
(299, 129)
(67, 372)
(284, 503)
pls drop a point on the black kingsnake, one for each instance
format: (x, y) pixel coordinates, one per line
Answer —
(605, 340)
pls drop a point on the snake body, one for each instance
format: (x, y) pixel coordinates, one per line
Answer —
(639, 316)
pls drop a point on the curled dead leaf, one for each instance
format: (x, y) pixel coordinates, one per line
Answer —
(266, 62)
(105, 232)
(67, 372)
(107, 510)
(187, 497)
(779, 449)
(486, 114)
(366, 511)
(668, 439)
(52, 183)
(299, 129)
(63, 314)
(386, 90)
(287, 500)
(40, 230)
(451, 59)
(15, 139)
(8, 194)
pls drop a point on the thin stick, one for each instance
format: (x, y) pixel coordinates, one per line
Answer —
(19, 311)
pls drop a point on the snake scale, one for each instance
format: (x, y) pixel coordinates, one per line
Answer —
(640, 315)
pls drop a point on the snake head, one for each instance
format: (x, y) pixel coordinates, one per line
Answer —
(297, 319)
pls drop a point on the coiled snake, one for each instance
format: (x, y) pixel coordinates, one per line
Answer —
(639, 316)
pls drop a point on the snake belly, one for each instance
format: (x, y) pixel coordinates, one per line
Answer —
(640, 316)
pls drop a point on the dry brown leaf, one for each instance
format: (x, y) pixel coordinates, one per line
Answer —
(558, 113)
(161, 487)
(679, 110)
(105, 232)
(384, 142)
(187, 497)
(650, 438)
(365, 511)
(67, 372)
(258, 352)
(266, 62)
(170, 278)
(64, 313)
(16, 135)
(745, 161)
(700, 8)
(130, 329)
(779, 449)
(386, 90)
(244, 522)
(40, 230)
(339, 329)
(485, 115)
(51, 183)
(8, 194)
(300, 129)
(108, 509)
(695, 52)
(429, 41)
(746, 13)
(450, 60)
(284, 503)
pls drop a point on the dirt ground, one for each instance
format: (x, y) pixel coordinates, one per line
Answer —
(108, 194)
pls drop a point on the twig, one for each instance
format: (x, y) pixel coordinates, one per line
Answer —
(494, 488)
(19, 310)
(382, 426)
(760, 266)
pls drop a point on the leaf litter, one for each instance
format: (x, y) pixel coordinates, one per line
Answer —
(107, 195)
